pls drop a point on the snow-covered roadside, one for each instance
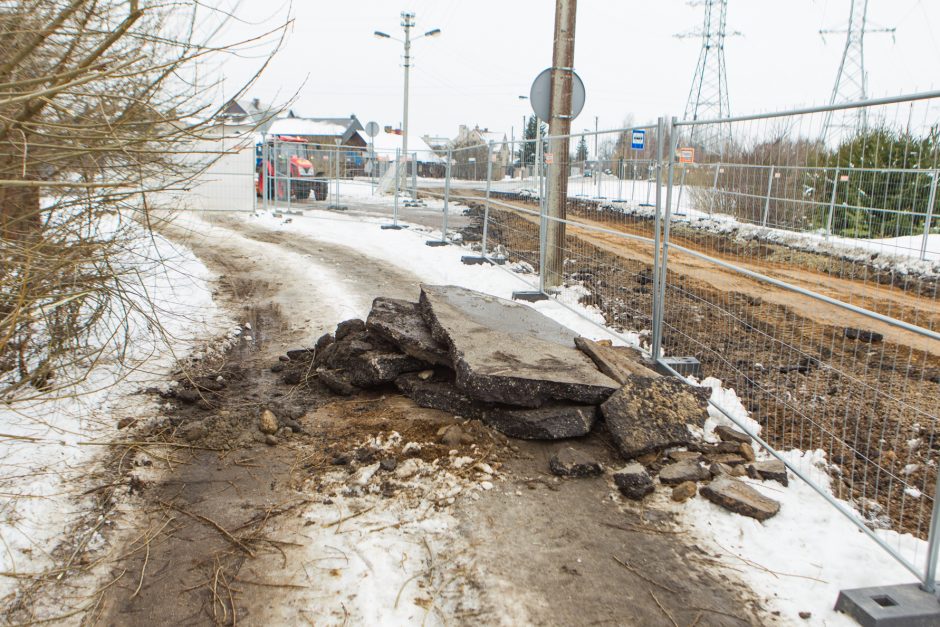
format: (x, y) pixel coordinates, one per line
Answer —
(47, 451)
(798, 560)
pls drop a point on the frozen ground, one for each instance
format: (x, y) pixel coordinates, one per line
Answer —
(47, 450)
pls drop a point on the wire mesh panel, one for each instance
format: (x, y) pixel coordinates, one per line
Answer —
(801, 272)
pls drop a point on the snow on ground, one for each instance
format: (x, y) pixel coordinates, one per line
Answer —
(45, 452)
(797, 561)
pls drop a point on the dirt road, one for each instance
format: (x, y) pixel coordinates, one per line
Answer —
(235, 531)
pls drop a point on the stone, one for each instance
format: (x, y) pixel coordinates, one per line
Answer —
(505, 352)
(684, 491)
(300, 354)
(124, 423)
(747, 452)
(193, 431)
(389, 464)
(806, 615)
(348, 327)
(439, 393)
(284, 433)
(651, 413)
(270, 440)
(718, 468)
(337, 381)
(283, 358)
(731, 459)
(424, 375)
(740, 498)
(278, 367)
(633, 481)
(723, 447)
(552, 421)
(681, 456)
(572, 462)
(869, 337)
(401, 323)
(268, 422)
(738, 471)
(616, 362)
(680, 472)
(769, 470)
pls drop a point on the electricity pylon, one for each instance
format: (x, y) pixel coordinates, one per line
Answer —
(708, 96)
(851, 79)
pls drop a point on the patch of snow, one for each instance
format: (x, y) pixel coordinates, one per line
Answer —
(45, 458)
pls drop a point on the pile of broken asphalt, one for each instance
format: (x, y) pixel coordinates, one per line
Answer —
(485, 358)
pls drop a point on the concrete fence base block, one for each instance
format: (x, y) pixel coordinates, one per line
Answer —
(391, 227)
(890, 606)
(529, 297)
(435, 242)
(686, 366)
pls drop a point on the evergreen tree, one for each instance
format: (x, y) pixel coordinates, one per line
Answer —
(581, 153)
(526, 154)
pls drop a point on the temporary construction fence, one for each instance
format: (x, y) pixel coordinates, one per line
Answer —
(794, 255)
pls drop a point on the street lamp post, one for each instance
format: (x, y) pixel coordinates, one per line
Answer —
(407, 23)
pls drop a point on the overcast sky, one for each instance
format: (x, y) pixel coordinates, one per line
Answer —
(625, 51)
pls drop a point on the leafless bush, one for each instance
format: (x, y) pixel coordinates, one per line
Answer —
(98, 101)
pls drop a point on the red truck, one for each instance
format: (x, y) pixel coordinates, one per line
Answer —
(288, 170)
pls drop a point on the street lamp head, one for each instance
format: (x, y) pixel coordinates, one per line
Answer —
(433, 33)
(380, 35)
(523, 97)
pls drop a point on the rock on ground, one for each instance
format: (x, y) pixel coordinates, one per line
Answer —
(728, 434)
(549, 422)
(650, 414)
(504, 352)
(681, 472)
(769, 470)
(400, 322)
(633, 481)
(740, 498)
(572, 462)
(684, 491)
(268, 422)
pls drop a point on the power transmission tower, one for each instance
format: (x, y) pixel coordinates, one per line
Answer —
(851, 80)
(708, 97)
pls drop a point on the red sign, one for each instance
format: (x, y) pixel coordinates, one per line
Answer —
(687, 155)
(549, 157)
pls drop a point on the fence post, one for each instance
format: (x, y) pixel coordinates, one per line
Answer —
(711, 205)
(657, 302)
(397, 186)
(832, 204)
(933, 542)
(414, 176)
(927, 220)
(265, 162)
(446, 193)
(543, 223)
(489, 179)
(770, 185)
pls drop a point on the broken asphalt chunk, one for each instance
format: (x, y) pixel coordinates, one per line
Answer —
(552, 421)
(504, 352)
(649, 414)
(740, 498)
(572, 462)
(400, 322)
(633, 481)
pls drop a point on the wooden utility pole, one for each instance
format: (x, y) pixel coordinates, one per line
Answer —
(559, 124)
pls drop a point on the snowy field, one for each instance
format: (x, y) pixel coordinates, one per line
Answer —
(47, 447)
(797, 561)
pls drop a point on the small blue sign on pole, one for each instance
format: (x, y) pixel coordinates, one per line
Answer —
(639, 140)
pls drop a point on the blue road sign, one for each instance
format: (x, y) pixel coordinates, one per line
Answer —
(639, 140)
